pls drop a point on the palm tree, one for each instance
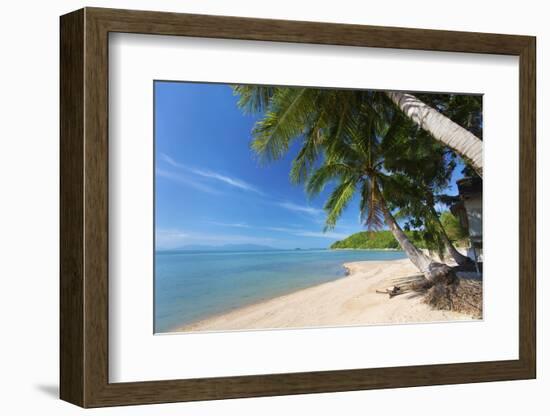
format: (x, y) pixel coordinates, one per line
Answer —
(458, 257)
(441, 128)
(353, 158)
(421, 167)
(420, 206)
(355, 162)
(310, 104)
(335, 125)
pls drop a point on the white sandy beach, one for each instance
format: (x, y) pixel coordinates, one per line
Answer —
(351, 300)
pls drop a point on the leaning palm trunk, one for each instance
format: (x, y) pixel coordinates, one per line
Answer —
(415, 255)
(459, 258)
(433, 271)
(441, 128)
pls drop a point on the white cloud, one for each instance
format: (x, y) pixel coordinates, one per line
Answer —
(170, 161)
(187, 181)
(231, 181)
(169, 238)
(230, 224)
(172, 233)
(174, 238)
(237, 183)
(300, 208)
(305, 233)
(318, 234)
(280, 229)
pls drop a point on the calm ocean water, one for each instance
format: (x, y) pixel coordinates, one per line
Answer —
(192, 285)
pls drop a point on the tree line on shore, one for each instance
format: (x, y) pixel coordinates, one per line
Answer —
(385, 240)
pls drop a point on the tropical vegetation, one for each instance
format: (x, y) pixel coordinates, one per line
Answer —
(376, 240)
(384, 239)
(395, 151)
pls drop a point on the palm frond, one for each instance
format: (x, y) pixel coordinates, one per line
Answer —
(311, 148)
(370, 207)
(253, 98)
(337, 202)
(289, 110)
(326, 173)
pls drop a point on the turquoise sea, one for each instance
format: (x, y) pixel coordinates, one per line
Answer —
(193, 285)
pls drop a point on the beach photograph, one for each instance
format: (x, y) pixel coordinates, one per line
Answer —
(288, 207)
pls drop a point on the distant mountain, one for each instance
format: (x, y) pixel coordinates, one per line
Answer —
(227, 247)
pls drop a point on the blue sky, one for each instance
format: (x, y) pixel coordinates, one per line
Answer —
(212, 190)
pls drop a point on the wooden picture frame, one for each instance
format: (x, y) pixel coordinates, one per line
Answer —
(84, 207)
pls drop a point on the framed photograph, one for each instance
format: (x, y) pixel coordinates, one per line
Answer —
(263, 207)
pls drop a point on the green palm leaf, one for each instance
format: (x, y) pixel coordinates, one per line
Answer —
(337, 202)
(320, 177)
(253, 98)
(370, 208)
(289, 110)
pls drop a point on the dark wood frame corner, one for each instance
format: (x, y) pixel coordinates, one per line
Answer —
(84, 207)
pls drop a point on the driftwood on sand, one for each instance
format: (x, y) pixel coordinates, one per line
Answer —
(454, 289)
(391, 291)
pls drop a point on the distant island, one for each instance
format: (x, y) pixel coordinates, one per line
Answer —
(383, 240)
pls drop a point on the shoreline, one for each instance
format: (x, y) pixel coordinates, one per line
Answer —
(345, 301)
